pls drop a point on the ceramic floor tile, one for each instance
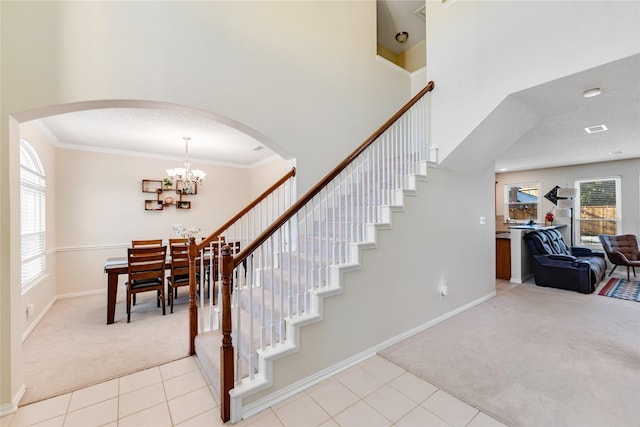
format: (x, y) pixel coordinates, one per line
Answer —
(4, 421)
(332, 396)
(390, 403)
(139, 380)
(94, 394)
(266, 418)
(360, 381)
(413, 387)
(178, 367)
(214, 393)
(52, 422)
(204, 375)
(288, 400)
(141, 399)
(454, 411)
(156, 416)
(191, 404)
(421, 417)
(40, 411)
(484, 420)
(302, 412)
(210, 418)
(94, 415)
(329, 423)
(361, 414)
(382, 368)
(183, 384)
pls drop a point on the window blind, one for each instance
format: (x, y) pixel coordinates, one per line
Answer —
(32, 215)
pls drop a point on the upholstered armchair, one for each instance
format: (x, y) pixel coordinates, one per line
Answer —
(621, 250)
(556, 265)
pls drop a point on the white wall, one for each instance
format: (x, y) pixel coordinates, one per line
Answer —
(101, 209)
(302, 76)
(627, 170)
(398, 287)
(479, 52)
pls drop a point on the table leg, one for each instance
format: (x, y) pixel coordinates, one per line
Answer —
(112, 290)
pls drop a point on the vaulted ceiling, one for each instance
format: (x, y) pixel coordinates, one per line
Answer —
(557, 139)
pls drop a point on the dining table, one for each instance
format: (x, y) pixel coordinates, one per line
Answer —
(114, 267)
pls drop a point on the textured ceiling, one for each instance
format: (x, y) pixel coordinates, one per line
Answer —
(558, 137)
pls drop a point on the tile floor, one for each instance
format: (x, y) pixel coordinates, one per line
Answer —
(373, 393)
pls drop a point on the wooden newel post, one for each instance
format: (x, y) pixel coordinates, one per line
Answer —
(193, 306)
(226, 349)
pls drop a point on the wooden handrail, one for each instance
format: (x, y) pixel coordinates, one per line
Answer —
(279, 222)
(214, 236)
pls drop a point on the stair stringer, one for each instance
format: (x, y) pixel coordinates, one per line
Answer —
(266, 358)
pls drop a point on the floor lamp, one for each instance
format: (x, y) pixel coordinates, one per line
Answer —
(565, 205)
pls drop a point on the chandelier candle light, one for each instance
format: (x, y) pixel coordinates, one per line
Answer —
(186, 175)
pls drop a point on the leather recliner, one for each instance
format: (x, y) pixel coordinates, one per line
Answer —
(555, 265)
(621, 250)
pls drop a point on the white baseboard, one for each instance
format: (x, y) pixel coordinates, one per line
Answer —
(82, 293)
(33, 325)
(10, 408)
(286, 392)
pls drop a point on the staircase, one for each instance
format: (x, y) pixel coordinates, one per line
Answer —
(276, 283)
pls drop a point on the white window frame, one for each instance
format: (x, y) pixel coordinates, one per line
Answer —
(33, 219)
(577, 208)
(507, 187)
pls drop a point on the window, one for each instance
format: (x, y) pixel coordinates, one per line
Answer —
(598, 206)
(522, 202)
(32, 214)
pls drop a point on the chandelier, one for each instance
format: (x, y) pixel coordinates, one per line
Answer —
(186, 175)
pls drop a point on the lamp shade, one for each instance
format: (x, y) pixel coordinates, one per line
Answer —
(566, 192)
(565, 203)
(563, 213)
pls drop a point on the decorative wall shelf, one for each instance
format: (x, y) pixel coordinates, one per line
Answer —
(164, 197)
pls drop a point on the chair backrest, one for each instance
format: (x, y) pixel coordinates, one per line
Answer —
(624, 244)
(211, 253)
(547, 242)
(179, 251)
(146, 263)
(143, 243)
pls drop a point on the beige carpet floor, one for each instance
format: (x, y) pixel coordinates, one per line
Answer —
(536, 356)
(73, 347)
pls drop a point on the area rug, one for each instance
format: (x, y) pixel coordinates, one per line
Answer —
(535, 357)
(623, 289)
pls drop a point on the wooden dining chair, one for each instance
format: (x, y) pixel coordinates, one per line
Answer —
(144, 243)
(179, 276)
(146, 267)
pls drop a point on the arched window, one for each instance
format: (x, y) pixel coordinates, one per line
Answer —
(32, 214)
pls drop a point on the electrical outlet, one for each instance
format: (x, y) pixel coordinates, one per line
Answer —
(29, 310)
(483, 220)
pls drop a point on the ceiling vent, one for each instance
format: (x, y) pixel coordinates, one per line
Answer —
(597, 128)
(420, 13)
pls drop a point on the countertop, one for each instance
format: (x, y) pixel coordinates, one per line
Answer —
(536, 227)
